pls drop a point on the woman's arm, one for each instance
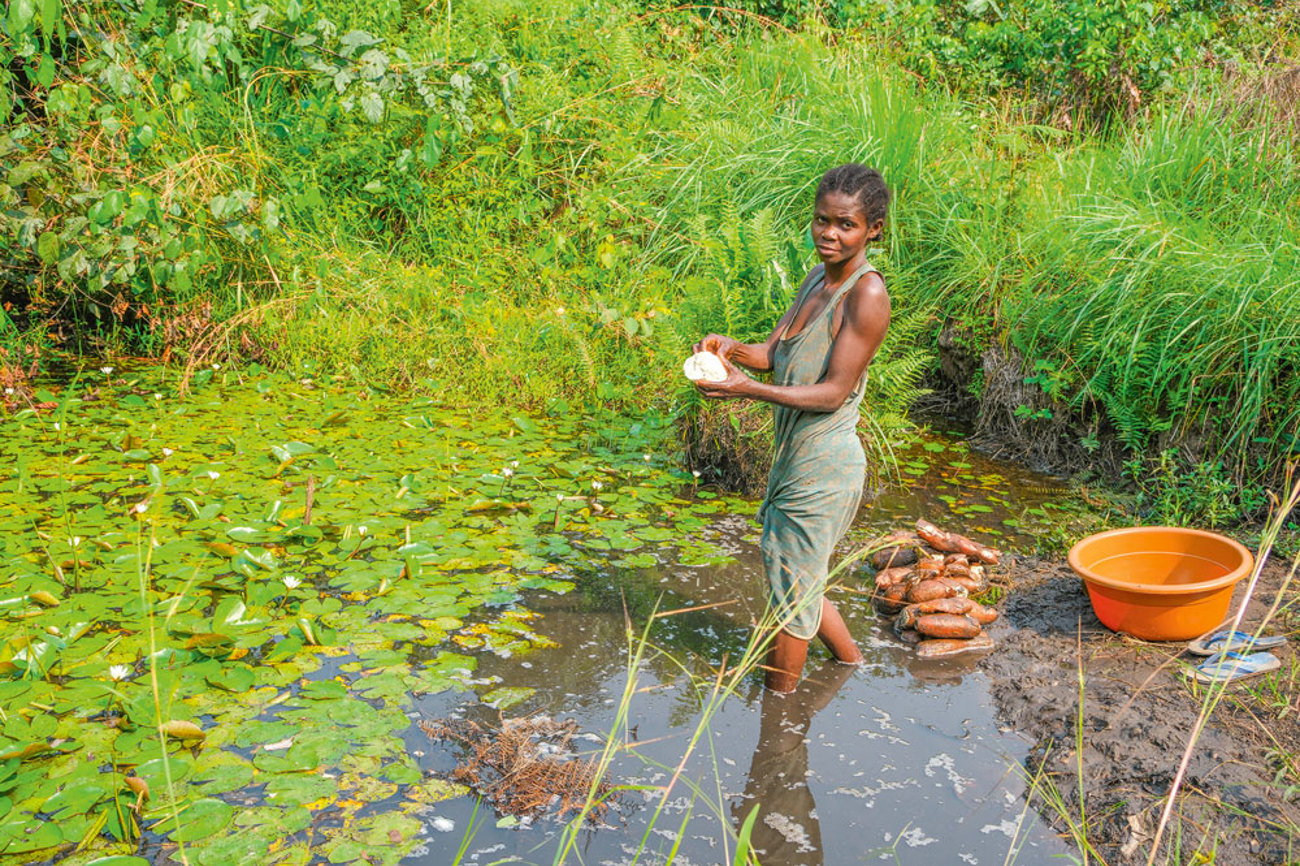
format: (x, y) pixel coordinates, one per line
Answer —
(755, 356)
(862, 328)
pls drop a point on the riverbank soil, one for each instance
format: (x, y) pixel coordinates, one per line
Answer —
(1137, 712)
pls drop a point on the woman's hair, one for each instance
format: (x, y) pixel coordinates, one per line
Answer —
(862, 183)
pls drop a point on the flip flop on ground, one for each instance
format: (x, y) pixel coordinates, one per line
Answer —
(1232, 640)
(1231, 666)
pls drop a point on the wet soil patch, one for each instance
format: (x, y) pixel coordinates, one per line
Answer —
(1137, 713)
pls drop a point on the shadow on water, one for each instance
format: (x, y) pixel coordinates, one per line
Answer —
(898, 760)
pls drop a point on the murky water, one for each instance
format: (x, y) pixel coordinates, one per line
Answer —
(897, 760)
(941, 479)
(326, 566)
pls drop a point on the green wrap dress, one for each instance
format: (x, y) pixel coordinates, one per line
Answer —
(818, 470)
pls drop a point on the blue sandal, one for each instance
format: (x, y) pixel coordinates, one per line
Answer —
(1230, 666)
(1232, 640)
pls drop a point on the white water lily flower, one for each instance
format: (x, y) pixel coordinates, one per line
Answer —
(157, 396)
(361, 529)
(141, 507)
(508, 472)
(291, 582)
(695, 472)
(596, 485)
(514, 464)
(119, 672)
(76, 541)
(107, 371)
(559, 497)
(214, 475)
(646, 457)
(167, 452)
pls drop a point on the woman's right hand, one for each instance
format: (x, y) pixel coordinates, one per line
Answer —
(718, 344)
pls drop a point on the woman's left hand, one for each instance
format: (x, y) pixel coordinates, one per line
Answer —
(735, 385)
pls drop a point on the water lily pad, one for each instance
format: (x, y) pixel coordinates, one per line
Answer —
(182, 730)
(323, 690)
(156, 772)
(298, 789)
(296, 760)
(20, 837)
(75, 799)
(232, 678)
(507, 696)
(225, 850)
(199, 820)
(221, 779)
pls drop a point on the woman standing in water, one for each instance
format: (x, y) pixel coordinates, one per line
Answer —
(818, 356)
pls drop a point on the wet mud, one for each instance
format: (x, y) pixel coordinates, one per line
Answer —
(1137, 714)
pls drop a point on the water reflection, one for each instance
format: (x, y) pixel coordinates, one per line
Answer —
(787, 831)
(947, 671)
(907, 762)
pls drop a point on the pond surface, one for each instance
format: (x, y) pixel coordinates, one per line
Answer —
(897, 760)
(244, 601)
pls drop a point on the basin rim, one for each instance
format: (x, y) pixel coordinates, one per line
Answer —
(1232, 577)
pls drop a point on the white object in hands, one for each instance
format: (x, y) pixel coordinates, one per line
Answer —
(704, 366)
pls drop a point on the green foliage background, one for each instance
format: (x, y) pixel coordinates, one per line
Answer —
(544, 203)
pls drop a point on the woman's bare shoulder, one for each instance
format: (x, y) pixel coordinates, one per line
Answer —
(869, 296)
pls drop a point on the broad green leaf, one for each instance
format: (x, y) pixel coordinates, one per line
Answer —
(199, 820)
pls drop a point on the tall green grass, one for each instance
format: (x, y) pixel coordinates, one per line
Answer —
(1149, 279)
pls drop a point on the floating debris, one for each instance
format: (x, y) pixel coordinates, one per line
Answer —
(526, 766)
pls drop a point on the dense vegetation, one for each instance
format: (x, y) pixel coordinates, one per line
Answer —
(1077, 60)
(542, 204)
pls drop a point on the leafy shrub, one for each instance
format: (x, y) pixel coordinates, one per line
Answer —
(1202, 495)
(1097, 55)
(152, 149)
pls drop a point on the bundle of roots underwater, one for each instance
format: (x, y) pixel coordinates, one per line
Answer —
(526, 766)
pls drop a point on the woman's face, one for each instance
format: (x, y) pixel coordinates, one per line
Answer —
(839, 227)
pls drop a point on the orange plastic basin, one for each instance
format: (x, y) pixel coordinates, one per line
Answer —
(1160, 582)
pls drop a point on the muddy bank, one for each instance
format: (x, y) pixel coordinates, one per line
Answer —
(1137, 714)
(995, 391)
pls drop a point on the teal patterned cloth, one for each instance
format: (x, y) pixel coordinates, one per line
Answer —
(818, 470)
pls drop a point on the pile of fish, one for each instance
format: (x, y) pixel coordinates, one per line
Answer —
(925, 580)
